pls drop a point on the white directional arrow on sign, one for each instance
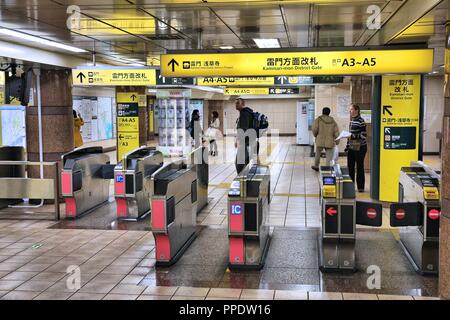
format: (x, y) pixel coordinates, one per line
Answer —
(387, 130)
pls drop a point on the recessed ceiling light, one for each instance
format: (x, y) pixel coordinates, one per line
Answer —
(28, 37)
(226, 47)
(267, 43)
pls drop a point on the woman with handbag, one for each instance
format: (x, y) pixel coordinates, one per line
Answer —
(357, 147)
(214, 133)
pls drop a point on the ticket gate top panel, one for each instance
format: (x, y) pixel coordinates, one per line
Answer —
(147, 155)
(70, 158)
(247, 183)
(419, 183)
(335, 182)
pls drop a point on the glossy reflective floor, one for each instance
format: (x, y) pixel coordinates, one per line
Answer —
(116, 259)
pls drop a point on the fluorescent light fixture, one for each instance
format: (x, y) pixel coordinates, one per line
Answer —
(28, 37)
(226, 47)
(267, 43)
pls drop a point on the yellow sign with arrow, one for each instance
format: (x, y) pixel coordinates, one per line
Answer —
(346, 62)
(114, 77)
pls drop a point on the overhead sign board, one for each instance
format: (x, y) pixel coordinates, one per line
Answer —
(113, 77)
(253, 81)
(297, 63)
(235, 81)
(259, 91)
(160, 80)
(399, 130)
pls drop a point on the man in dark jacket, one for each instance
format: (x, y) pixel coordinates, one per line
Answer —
(245, 135)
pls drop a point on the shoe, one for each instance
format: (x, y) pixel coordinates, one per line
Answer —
(361, 190)
(315, 168)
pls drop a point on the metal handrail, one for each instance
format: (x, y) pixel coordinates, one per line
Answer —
(56, 178)
(27, 163)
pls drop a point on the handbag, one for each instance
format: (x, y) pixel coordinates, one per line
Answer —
(354, 144)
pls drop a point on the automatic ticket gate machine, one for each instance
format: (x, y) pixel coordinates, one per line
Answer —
(248, 207)
(133, 186)
(340, 214)
(85, 180)
(174, 210)
(418, 213)
(199, 158)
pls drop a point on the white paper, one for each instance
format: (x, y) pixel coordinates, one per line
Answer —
(344, 134)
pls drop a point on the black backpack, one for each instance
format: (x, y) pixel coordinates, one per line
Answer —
(260, 123)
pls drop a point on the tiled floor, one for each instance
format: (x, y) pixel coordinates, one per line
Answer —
(116, 260)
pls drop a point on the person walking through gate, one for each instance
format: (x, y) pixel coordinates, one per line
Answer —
(245, 135)
(357, 147)
(325, 130)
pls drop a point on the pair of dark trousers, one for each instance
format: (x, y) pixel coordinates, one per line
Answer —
(356, 158)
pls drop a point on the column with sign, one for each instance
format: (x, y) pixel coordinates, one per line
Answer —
(400, 127)
(127, 123)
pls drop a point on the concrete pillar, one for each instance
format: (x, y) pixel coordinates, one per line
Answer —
(57, 119)
(444, 240)
(143, 112)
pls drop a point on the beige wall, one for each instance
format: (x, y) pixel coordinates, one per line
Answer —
(282, 113)
(434, 112)
(328, 96)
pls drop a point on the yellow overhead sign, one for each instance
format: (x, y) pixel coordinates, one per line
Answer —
(399, 130)
(297, 63)
(245, 91)
(127, 123)
(237, 81)
(114, 77)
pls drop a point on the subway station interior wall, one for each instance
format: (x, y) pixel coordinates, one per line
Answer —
(96, 126)
(434, 112)
(282, 113)
(337, 98)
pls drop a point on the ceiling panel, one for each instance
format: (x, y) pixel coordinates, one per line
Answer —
(136, 28)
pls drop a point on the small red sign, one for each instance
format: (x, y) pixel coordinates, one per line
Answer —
(434, 214)
(331, 211)
(371, 213)
(400, 214)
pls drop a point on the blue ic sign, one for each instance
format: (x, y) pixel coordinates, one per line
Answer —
(119, 178)
(236, 209)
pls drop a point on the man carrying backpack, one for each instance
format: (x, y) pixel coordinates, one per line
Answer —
(245, 135)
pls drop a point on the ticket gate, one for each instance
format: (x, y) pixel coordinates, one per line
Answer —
(85, 180)
(201, 166)
(8, 153)
(133, 186)
(418, 214)
(248, 207)
(174, 210)
(340, 214)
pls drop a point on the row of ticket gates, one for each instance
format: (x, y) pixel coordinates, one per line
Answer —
(176, 192)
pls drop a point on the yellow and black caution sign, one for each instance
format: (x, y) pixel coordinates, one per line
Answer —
(113, 77)
(347, 62)
(399, 130)
(127, 123)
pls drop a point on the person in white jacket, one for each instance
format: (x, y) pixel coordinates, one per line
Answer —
(214, 128)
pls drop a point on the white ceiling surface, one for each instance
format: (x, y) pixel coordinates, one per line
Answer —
(211, 25)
